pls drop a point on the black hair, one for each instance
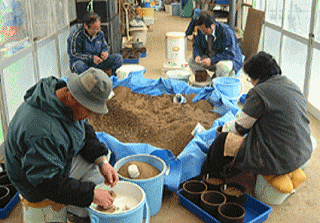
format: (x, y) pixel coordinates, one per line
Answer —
(261, 66)
(91, 18)
(206, 18)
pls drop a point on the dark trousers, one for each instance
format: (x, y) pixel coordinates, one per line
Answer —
(216, 164)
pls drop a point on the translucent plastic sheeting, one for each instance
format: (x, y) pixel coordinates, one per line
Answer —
(48, 60)
(13, 24)
(18, 77)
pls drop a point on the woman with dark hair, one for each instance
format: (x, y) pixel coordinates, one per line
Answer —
(271, 135)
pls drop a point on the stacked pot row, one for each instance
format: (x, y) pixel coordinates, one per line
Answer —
(7, 190)
(222, 201)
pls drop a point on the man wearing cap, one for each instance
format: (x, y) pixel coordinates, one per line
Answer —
(51, 151)
(87, 47)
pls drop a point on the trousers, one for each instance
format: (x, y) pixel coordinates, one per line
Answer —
(113, 62)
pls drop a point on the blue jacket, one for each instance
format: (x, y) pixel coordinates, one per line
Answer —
(83, 47)
(226, 46)
(41, 142)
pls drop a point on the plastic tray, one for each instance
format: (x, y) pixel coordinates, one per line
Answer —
(144, 54)
(129, 61)
(256, 211)
(4, 212)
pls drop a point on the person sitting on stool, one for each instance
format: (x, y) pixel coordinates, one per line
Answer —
(87, 47)
(215, 48)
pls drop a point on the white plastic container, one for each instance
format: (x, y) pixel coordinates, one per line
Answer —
(266, 193)
(176, 45)
(178, 75)
(139, 34)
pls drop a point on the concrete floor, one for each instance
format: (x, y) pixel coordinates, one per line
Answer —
(303, 206)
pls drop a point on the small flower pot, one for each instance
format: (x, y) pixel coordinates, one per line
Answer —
(201, 76)
(213, 183)
(4, 197)
(234, 192)
(5, 181)
(192, 190)
(210, 201)
(231, 213)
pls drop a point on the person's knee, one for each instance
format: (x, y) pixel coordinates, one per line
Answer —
(79, 67)
(224, 68)
(118, 60)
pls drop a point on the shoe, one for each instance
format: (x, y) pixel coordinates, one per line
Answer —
(76, 219)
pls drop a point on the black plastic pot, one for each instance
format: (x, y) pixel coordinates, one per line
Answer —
(5, 181)
(234, 192)
(210, 201)
(213, 183)
(192, 190)
(4, 197)
(231, 213)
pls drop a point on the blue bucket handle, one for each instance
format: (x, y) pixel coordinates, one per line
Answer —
(147, 212)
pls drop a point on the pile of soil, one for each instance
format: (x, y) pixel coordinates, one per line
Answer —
(156, 120)
(133, 53)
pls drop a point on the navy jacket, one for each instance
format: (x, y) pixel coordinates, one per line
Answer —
(83, 47)
(226, 46)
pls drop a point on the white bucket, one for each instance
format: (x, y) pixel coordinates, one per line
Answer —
(45, 211)
(139, 34)
(176, 45)
(179, 75)
(266, 193)
(125, 70)
(131, 202)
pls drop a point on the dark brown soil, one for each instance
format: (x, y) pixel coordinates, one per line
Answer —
(214, 181)
(156, 120)
(132, 53)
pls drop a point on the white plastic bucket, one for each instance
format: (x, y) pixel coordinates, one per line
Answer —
(127, 195)
(125, 70)
(176, 48)
(180, 75)
(42, 212)
(152, 186)
(266, 193)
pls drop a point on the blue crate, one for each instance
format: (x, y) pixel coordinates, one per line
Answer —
(256, 211)
(144, 54)
(4, 212)
(222, 2)
(130, 61)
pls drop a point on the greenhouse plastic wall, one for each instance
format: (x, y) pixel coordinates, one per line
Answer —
(33, 45)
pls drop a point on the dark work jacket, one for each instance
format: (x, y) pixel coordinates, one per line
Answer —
(225, 45)
(41, 143)
(280, 140)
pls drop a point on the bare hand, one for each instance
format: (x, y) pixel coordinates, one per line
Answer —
(97, 60)
(103, 198)
(104, 55)
(197, 59)
(110, 174)
(206, 62)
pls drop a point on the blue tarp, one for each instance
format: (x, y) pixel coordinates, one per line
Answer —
(188, 163)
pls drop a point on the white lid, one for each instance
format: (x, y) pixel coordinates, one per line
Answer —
(175, 34)
(133, 171)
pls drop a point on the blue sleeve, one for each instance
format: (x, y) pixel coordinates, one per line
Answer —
(104, 45)
(197, 49)
(75, 47)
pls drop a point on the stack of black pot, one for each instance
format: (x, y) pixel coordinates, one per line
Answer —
(223, 201)
(7, 190)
